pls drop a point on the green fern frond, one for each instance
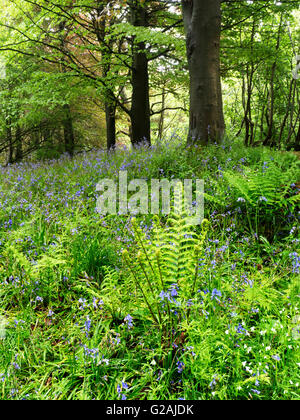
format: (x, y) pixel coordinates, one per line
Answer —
(170, 257)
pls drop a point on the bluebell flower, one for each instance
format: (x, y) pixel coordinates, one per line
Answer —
(213, 383)
(180, 366)
(241, 330)
(129, 321)
(255, 391)
(295, 262)
(87, 325)
(215, 294)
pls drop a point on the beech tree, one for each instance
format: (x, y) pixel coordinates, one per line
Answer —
(202, 22)
(140, 108)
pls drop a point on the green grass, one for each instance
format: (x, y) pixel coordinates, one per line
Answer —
(66, 290)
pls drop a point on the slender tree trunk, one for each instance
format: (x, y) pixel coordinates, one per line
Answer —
(264, 101)
(68, 131)
(69, 138)
(202, 21)
(161, 123)
(292, 113)
(297, 141)
(249, 137)
(140, 108)
(288, 110)
(296, 144)
(126, 100)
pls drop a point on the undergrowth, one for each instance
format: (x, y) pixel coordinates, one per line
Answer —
(151, 308)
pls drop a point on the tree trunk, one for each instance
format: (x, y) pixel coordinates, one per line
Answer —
(249, 135)
(101, 26)
(249, 125)
(161, 124)
(69, 138)
(140, 109)
(289, 106)
(68, 131)
(202, 21)
(297, 141)
(269, 140)
(110, 114)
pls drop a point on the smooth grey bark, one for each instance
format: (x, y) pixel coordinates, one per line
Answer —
(202, 21)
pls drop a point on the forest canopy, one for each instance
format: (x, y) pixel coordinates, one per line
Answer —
(74, 73)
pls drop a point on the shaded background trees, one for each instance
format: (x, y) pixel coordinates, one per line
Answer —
(96, 73)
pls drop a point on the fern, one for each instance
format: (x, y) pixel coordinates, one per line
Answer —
(266, 193)
(272, 184)
(168, 261)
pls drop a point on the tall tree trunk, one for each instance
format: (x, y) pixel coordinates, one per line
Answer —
(202, 21)
(297, 141)
(270, 134)
(140, 108)
(68, 130)
(289, 106)
(69, 138)
(110, 114)
(249, 135)
(161, 124)
(101, 25)
(249, 125)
